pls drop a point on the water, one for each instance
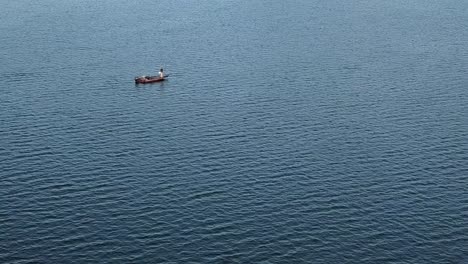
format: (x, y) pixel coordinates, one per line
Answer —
(289, 132)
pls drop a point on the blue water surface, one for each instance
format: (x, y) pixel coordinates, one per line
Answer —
(302, 131)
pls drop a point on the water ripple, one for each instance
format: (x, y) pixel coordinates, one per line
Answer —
(266, 145)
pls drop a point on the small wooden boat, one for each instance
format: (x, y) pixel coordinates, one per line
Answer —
(149, 79)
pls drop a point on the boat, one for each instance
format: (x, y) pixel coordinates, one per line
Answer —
(149, 79)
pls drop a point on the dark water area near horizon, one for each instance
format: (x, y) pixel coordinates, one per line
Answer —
(288, 131)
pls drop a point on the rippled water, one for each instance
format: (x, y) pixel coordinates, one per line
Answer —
(289, 132)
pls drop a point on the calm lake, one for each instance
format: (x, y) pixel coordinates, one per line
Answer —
(303, 131)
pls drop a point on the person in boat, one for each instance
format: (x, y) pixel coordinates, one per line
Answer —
(161, 73)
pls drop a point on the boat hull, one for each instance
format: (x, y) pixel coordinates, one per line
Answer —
(148, 79)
